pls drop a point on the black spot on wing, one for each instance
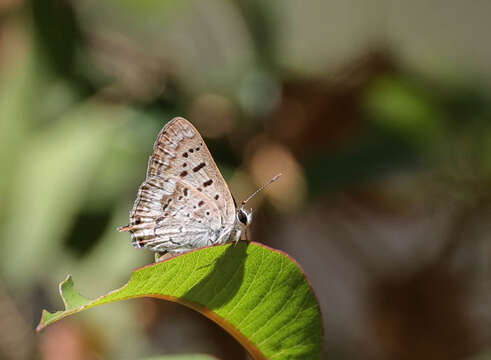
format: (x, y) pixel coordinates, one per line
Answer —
(184, 173)
(199, 167)
(166, 204)
(208, 183)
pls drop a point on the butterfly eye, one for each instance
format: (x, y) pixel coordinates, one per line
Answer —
(242, 217)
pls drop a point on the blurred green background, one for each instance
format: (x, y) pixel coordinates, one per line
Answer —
(377, 113)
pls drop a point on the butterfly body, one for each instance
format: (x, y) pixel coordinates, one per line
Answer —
(184, 202)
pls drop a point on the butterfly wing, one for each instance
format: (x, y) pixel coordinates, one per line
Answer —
(172, 216)
(180, 151)
(184, 202)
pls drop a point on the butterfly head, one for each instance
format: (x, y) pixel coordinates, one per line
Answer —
(244, 217)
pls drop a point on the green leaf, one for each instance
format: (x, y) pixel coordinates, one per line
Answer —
(71, 298)
(259, 295)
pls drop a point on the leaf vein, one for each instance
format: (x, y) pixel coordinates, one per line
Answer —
(190, 274)
(166, 286)
(277, 313)
(284, 325)
(226, 285)
(249, 288)
(266, 295)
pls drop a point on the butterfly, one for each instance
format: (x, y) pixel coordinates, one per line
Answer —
(184, 202)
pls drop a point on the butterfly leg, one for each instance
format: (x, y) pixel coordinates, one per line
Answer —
(246, 233)
(237, 235)
(234, 235)
(161, 256)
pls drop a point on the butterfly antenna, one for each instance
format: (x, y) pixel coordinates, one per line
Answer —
(276, 177)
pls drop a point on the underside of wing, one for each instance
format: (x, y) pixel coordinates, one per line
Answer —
(180, 151)
(184, 203)
(169, 215)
